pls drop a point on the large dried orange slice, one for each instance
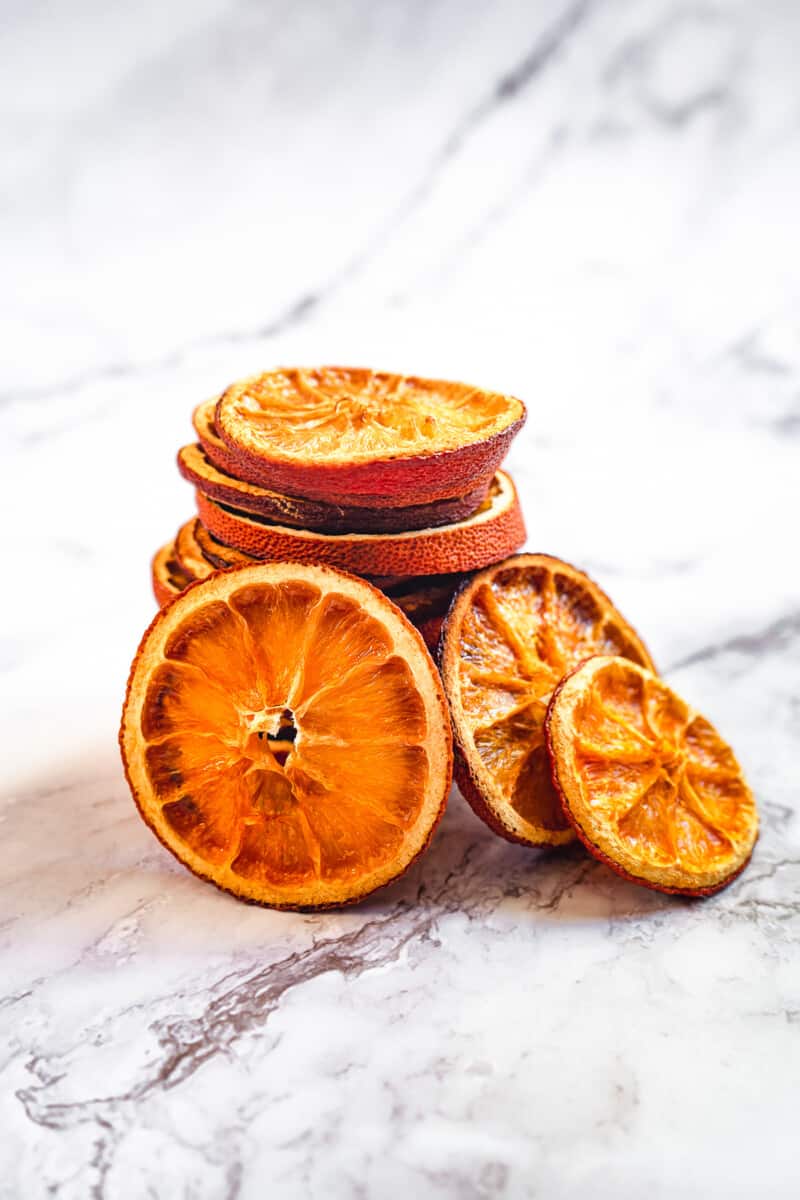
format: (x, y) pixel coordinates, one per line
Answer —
(286, 736)
(219, 455)
(195, 466)
(511, 634)
(649, 785)
(335, 433)
(490, 534)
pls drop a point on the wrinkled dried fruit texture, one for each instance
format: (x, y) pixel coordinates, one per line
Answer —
(655, 780)
(334, 413)
(168, 575)
(525, 628)
(284, 736)
(217, 553)
(496, 529)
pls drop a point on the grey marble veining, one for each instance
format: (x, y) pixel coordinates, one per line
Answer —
(590, 204)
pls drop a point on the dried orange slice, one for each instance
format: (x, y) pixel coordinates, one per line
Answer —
(423, 598)
(189, 553)
(649, 785)
(212, 445)
(168, 576)
(335, 433)
(219, 455)
(511, 634)
(491, 533)
(286, 736)
(195, 466)
(217, 553)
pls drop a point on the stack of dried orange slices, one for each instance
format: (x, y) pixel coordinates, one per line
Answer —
(286, 733)
(391, 477)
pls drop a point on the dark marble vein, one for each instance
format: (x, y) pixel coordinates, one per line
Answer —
(238, 1008)
(774, 637)
(749, 354)
(683, 112)
(293, 315)
(544, 51)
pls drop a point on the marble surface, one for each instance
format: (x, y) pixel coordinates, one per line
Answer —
(591, 204)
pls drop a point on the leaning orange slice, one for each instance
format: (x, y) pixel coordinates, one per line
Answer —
(510, 635)
(168, 576)
(649, 785)
(189, 553)
(423, 598)
(286, 736)
(335, 433)
(491, 533)
(196, 467)
(419, 596)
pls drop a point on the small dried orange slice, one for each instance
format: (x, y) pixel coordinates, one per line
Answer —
(334, 433)
(286, 736)
(217, 553)
(490, 534)
(423, 598)
(189, 552)
(195, 466)
(168, 576)
(511, 634)
(649, 785)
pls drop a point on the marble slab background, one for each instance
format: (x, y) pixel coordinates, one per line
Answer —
(593, 205)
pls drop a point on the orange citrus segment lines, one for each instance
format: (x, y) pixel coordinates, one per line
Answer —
(634, 785)
(286, 736)
(510, 635)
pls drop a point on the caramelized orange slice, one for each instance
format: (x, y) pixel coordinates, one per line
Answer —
(286, 736)
(491, 533)
(509, 637)
(335, 433)
(649, 785)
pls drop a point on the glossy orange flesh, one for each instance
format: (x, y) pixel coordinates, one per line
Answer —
(286, 736)
(509, 637)
(649, 784)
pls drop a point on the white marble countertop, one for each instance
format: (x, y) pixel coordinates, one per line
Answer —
(590, 204)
